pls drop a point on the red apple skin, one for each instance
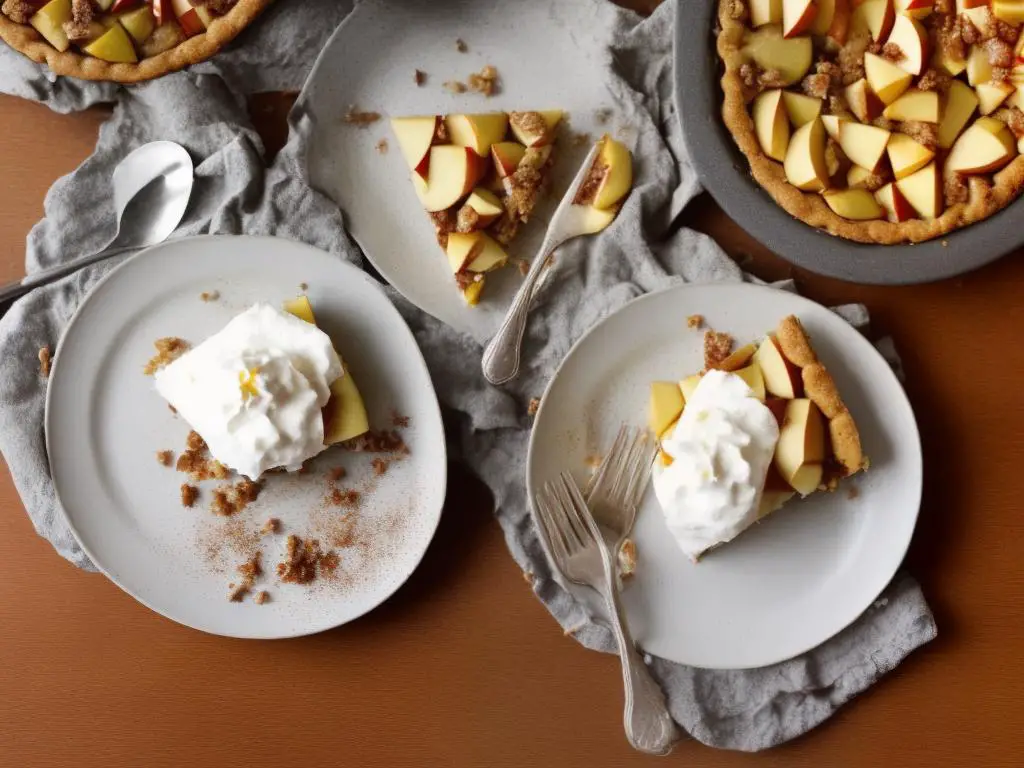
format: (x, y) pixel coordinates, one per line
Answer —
(162, 11)
(777, 406)
(124, 5)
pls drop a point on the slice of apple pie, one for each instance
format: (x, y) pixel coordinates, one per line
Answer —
(479, 177)
(758, 426)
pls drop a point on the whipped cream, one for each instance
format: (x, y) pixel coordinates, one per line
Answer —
(255, 390)
(722, 449)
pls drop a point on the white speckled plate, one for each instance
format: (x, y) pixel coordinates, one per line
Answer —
(544, 60)
(801, 575)
(105, 423)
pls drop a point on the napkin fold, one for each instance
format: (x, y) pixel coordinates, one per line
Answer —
(236, 192)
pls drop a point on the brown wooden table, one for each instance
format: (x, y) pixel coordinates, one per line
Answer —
(464, 666)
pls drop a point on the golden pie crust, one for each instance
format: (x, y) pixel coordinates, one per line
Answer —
(985, 198)
(222, 30)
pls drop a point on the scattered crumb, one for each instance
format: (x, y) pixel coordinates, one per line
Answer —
(196, 462)
(627, 559)
(533, 407)
(852, 492)
(377, 442)
(273, 525)
(485, 81)
(523, 266)
(209, 295)
(419, 77)
(455, 86)
(229, 500)
(602, 115)
(695, 322)
(593, 461)
(717, 347)
(44, 361)
(167, 351)
(303, 287)
(579, 139)
(337, 474)
(238, 593)
(945, 243)
(382, 147)
(399, 420)
(195, 442)
(261, 597)
(251, 570)
(305, 562)
(344, 497)
(380, 466)
(189, 494)
(165, 458)
(460, 45)
(360, 119)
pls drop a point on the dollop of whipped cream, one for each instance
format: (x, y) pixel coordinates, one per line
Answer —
(722, 449)
(255, 390)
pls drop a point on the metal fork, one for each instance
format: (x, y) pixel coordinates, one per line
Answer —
(615, 491)
(583, 557)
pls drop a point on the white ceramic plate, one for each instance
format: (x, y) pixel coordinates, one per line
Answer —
(543, 62)
(105, 421)
(803, 574)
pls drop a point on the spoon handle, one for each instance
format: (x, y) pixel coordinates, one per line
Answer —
(17, 289)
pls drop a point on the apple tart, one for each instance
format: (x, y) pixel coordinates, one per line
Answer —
(479, 178)
(881, 121)
(818, 440)
(124, 41)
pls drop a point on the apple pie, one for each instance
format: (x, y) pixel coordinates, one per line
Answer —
(124, 41)
(817, 444)
(479, 178)
(881, 121)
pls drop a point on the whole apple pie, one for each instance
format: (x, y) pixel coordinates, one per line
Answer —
(881, 121)
(123, 40)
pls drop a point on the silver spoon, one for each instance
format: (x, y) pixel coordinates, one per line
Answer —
(152, 187)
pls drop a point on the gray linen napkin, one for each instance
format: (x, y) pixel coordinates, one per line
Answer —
(237, 193)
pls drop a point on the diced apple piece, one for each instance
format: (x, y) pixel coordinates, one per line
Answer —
(804, 163)
(529, 134)
(853, 204)
(917, 9)
(486, 204)
(188, 18)
(688, 386)
(923, 190)
(506, 156)
(896, 207)
(772, 501)
(863, 144)
(462, 248)
(791, 58)
(1010, 11)
(797, 16)
(801, 447)
(739, 359)
(595, 220)
(915, 105)
(415, 135)
(615, 164)
(114, 46)
(863, 102)
(985, 146)
(138, 23)
(167, 35)
(992, 95)
(822, 22)
(771, 124)
(478, 132)
(49, 22)
(886, 79)
(471, 293)
(950, 62)
(960, 104)
(666, 406)
(765, 12)
(979, 70)
(877, 16)
(857, 177)
(912, 39)
(980, 15)
(754, 379)
(799, 108)
(491, 257)
(453, 171)
(781, 377)
(832, 124)
(907, 156)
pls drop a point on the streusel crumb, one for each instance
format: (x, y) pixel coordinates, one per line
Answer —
(166, 458)
(484, 82)
(209, 296)
(189, 494)
(460, 45)
(273, 525)
(261, 597)
(533, 407)
(419, 77)
(380, 466)
(455, 86)
(382, 147)
(168, 350)
(237, 594)
(45, 361)
(695, 322)
(717, 347)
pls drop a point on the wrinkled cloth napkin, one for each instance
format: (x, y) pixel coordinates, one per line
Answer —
(205, 110)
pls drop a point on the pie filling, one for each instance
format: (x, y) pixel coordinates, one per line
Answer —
(878, 120)
(760, 425)
(118, 31)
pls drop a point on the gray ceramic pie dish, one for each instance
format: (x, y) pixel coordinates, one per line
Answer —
(724, 172)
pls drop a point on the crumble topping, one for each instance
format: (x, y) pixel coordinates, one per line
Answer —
(380, 466)
(209, 295)
(382, 147)
(627, 559)
(261, 597)
(168, 350)
(19, 11)
(196, 462)
(891, 52)
(467, 220)
(344, 497)
(533, 407)
(303, 287)
(237, 594)
(45, 361)
(455, 86)
(79, 27)
(603, 115)
(166, 458)
(382, 441)
(229, 500)
(419, 77)
(360, 119)
(306, 561)
(272, 525)
(484, 82)
(529, 122)
(588, 189)
(923, 133)
(399, 420)
(442, 226)
(189, 494)
(717, 347)
(460, 45)
(695, 322)
(337, 474)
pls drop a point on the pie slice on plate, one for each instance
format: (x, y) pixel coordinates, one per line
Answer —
(479, 177)
(759, 426)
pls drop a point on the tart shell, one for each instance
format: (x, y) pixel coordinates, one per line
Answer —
(223, 29)
(985, 199)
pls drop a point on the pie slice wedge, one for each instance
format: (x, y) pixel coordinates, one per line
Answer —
(818, 440)
(479, 177)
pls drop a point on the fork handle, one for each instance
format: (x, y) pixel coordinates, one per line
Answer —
(649, 726)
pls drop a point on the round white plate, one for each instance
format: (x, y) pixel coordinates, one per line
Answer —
(792, 581)
(544, 62)
(105, 422)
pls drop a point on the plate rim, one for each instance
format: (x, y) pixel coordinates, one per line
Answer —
(799, 299)
(372, 285)
(724, 172)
